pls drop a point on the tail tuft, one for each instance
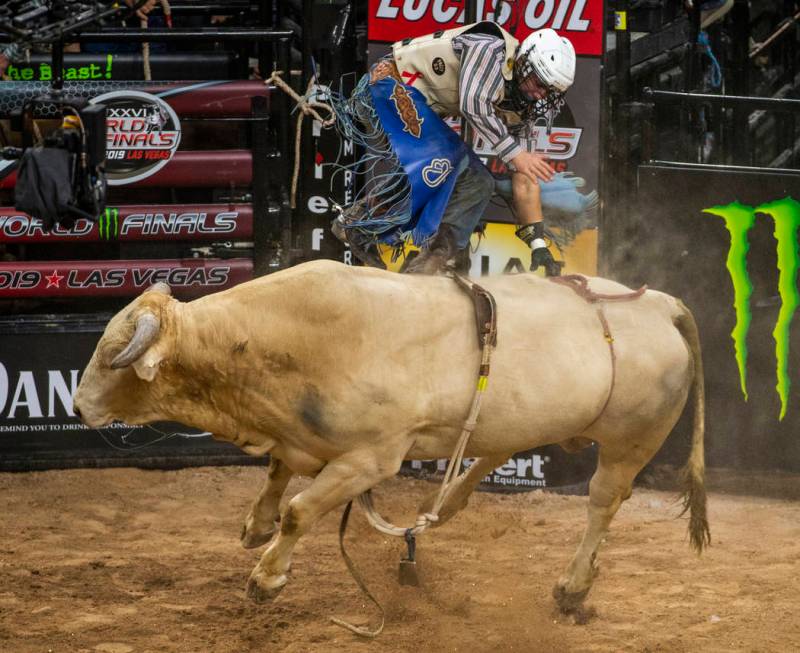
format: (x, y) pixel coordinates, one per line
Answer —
(694, 502)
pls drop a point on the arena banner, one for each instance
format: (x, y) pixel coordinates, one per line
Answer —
(125, 66)
(186, 277)
(497, 250)
(41, 361)
(579, 20)
(727, 245)
(544, 468)
(196, 222)
(221, 98)
(142, 134)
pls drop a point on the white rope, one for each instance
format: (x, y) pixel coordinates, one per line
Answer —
(452, 473)
(306, 109)
(165, 6)
(148, 75)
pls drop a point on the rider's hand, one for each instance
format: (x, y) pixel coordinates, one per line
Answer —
(542, 256)
(533, 166)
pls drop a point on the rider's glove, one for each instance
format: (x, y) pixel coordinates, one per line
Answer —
(533, 236)
(542, 256)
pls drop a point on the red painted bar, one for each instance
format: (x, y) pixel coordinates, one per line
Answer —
(192, 169)
(228, 99)
(195, 222)
(186, 277)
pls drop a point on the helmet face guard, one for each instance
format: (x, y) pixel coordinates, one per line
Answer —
(529, 108)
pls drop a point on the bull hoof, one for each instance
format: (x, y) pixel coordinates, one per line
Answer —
(262, 588)
(569, 602)
(251, 538)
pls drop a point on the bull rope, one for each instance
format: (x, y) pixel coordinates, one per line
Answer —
(486, 318)
(580, 284)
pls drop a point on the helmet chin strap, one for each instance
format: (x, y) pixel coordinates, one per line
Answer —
(549, 107)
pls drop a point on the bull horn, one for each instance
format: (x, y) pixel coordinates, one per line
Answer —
(160, 287)
(147, 326)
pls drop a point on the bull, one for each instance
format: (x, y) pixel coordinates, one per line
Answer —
(342, 373)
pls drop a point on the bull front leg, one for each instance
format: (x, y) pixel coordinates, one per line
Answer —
(341, 480)
(263, 519)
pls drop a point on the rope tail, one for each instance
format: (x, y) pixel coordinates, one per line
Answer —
(693, 474)
(358, 630)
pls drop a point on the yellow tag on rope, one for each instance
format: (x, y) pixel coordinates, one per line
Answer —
(483, 381)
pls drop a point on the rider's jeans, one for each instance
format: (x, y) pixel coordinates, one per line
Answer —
(471, 194)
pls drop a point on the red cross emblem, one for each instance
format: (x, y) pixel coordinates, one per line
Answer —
(412, 77)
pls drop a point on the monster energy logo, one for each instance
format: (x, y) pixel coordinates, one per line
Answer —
(108, 223)
(739, 219)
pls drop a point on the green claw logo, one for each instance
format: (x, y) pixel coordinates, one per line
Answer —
(108, 223)
(739, 219)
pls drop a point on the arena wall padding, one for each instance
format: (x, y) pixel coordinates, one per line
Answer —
(42, 359)
(673, 245)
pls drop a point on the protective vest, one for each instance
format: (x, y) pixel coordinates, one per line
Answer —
(430, 65)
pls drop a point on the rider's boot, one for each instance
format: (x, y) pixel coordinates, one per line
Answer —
(435, 257)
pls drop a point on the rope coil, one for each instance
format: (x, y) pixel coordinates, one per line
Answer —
(307, 108)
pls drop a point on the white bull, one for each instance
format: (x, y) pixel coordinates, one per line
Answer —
(342, 373)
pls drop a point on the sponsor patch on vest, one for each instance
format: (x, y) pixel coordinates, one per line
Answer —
(436, 172)
(438, 66)
(383, 69)
(407, 111)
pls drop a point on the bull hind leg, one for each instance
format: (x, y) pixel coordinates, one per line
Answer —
(611, 484)
(262, 520)
(341, 480)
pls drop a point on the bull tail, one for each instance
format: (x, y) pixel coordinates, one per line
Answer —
(693, 474)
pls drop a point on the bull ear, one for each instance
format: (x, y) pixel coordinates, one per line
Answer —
(147, 327)
(146, 366)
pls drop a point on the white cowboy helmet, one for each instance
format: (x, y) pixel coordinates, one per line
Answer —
(550, 56)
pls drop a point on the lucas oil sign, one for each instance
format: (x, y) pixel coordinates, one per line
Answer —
(579, 20)
(142, 135)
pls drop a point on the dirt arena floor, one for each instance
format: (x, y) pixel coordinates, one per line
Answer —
(133, 561)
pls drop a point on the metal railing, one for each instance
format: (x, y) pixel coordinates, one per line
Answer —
(734, 147)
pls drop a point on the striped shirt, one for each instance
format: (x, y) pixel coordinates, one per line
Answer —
(480, 84)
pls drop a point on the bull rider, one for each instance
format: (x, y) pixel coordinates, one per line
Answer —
(420, 181)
